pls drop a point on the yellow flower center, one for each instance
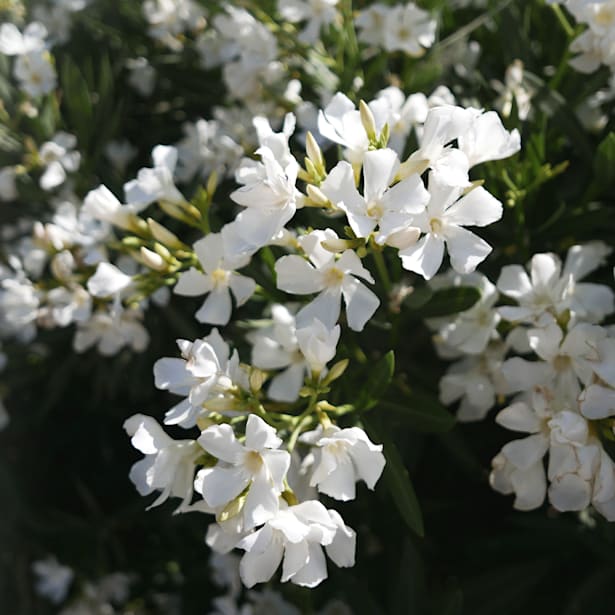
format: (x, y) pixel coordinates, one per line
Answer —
(220, 277)
(253, 461)
(333, 277)
(435, 224)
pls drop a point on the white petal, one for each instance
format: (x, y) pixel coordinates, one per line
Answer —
(478, 208)
(217, 308)
(297, 276)
(260, 435)
(259, 567)
(526, 452)
(314, 571)
(296, 556)
(193, 283)
(379, 168)
(108, 280)
(514, 282)
(424, 257)
(53, 176)
(222, 485)
(147, 435)
(171, 374)
(286, 386)
(519, 417)
(242, 287)
(262, 502)
(361, 303)
(220, 441)
(466, 250)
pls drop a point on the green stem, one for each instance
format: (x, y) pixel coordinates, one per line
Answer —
(382, 270)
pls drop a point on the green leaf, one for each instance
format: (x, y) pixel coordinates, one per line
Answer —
(396, 478)
(604, 163)
(443, 302)
(421, 412)
(377, 382)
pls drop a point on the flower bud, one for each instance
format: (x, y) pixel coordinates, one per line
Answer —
(368, 120)
(152, 260)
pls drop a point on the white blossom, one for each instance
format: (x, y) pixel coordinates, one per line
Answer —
(256, 465)
(344, 456)
(443, 222)
(218, 279)
(205, 372)
(168, 465)
(331, 277)
(296, 535)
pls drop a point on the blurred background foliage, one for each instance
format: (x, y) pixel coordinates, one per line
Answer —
(64, 460)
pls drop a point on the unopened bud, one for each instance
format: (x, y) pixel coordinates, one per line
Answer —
(257, 379)
(337, 245)
(232, 509)
(334, 373)
(132, 242)
(152, 260)
(314, 152)
(385, 135)
(368, 120)
(212, 184)
(163, 252)
(164, 235)
(317, 195)
(221, 404)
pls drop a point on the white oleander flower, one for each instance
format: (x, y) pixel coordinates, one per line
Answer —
(58, 156)
(518, 467)
(332, 277)
(270, 199)
(409, 29)
(443, 222)
(371, 24)
(19, 305)
(296, 535)
(205, 372)
(170, 18)
(53, 580)
(477, 381)
(471, 330)
(108, 281)
(318, 14)
(218, 279)
(64, 306)
(391, 209)
(480, 137)
(110, 330)
(156, 183)
(549, 287)
(101, 204)
(343, 457)
(35, 73)
(168, 465)
(256, 466)
(142, 76)
(15, 43)
(276, 347)
(318, 344)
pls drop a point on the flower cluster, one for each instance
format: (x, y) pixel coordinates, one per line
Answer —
(594, 47)
(546, 349)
